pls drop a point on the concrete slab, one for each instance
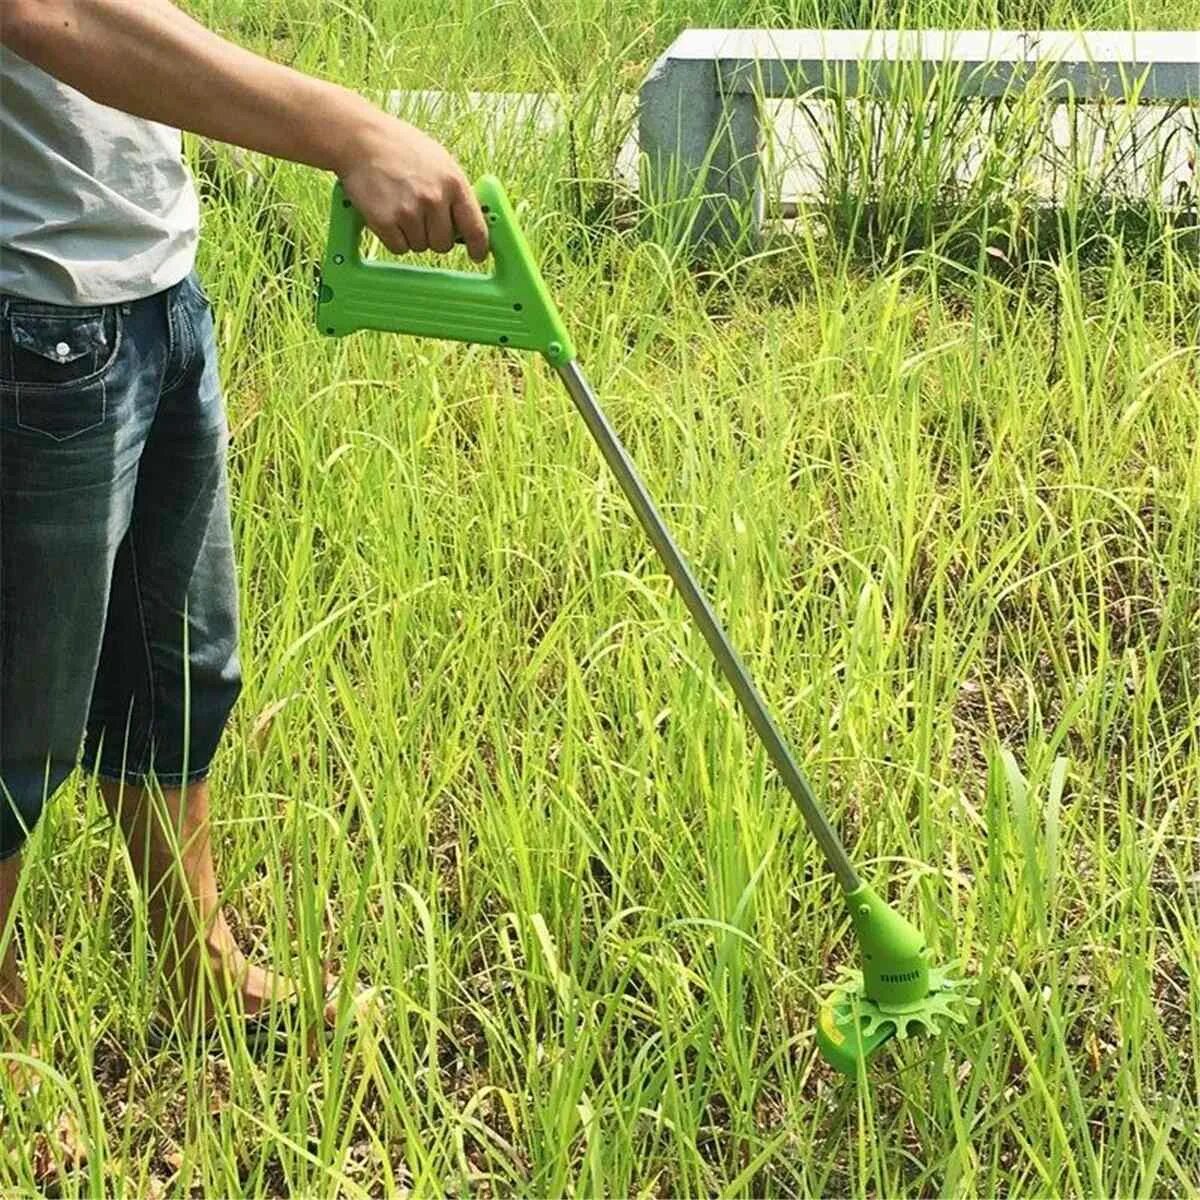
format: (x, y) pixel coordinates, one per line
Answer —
(1097, 63)
(1145, 144)
(701, 107)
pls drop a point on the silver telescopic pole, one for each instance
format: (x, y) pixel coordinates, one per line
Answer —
(727, 657)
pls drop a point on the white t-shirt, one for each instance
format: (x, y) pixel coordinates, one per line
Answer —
(96, 207)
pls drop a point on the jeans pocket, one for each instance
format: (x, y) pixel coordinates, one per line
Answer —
(53, 362)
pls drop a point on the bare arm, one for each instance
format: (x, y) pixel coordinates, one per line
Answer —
(148, 58)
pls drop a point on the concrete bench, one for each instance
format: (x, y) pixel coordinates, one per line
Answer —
(699, 119)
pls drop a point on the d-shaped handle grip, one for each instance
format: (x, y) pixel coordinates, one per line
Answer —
(508, 306)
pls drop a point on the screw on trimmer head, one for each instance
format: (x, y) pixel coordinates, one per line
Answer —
(896, 994)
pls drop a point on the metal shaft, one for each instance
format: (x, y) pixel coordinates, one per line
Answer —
(727, 657)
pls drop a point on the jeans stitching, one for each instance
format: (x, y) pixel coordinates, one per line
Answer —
(60, 437)
(170, 778)
(170, 331)
(141, 619)
(184, 340)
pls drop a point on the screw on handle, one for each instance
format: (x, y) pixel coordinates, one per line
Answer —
(509, 306)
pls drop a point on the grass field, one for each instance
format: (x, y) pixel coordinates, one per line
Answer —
(946, 494)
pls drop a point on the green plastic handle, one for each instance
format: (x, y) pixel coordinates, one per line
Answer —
(510, 306)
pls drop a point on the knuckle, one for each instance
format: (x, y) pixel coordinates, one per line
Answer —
(431, 195)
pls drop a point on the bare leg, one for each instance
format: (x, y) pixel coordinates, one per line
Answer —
(12, 993)
(170, 845)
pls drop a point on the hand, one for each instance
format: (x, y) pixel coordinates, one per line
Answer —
(411, 192)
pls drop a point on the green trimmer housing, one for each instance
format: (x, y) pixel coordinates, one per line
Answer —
(508, 306)
(896, 992)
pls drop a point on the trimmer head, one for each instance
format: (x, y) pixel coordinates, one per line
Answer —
(896, 994)
(851, 1026)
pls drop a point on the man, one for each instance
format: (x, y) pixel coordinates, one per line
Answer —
(118, 620)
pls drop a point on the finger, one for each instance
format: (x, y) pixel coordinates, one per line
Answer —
(440, 228)
(471, 225)
(412, 224)
(393, 238)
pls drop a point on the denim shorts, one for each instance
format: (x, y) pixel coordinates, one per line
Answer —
(118, 601)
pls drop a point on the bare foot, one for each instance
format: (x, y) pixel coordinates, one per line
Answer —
(224, 980)
(206, 972)
(254, 991)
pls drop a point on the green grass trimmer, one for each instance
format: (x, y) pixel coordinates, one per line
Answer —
(897, 991)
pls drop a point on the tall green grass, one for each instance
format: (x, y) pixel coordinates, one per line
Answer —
(951, 514)
(512, 44)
